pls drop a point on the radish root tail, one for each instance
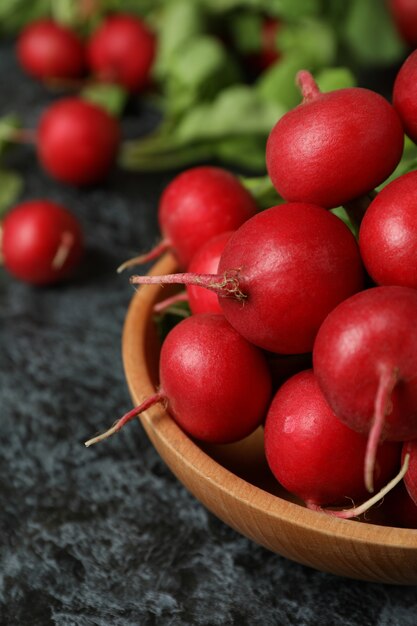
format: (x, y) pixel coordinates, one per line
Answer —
(146, 404)
(387, 382)
(362, 508)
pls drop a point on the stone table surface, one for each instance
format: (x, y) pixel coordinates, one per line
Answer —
(107, 536)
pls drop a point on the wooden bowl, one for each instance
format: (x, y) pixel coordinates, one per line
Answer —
(234, 482)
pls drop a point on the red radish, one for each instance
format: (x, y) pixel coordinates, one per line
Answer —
(197, 205)
(122, 50)
(312, 454)
(77, 141)
(405, 95)
(42, 242)
(410, 479)
(365, 360)
(388, 234)
(335, 146)
(280, 274)
(215, 384)
(404, 14)
(268, 52)
(46, 49)
(206, 261)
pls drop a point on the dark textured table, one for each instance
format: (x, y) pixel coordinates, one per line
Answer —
(107, 536)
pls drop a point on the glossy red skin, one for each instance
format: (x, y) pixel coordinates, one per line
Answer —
(77, 141)
(404, 95)
(334, 148)
(296, 262)
(32, 235)
(199, 204)
(388, 234)
(404, 13)
(206, 261)
(397, 509)
(46, 49)
(367, 332)
(217, 384)
(312, 454)
(410, 479)
(122, 50)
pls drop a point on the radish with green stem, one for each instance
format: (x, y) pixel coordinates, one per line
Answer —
(388, 234)
(280, 274)
(196, 205)
(365, 360)
(215, 384)
(334, 147)
(42, 242)
(314, 455)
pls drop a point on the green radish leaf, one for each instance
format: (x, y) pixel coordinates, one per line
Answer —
(277, 83)
(176, 23)
(11, 185)
(199, 70)
(8, 126)
(288, 9)
(312, 37)
(331, 78)
(109, 96)
(245, 31)
(15, 14)
(370, 33)
(237, 111)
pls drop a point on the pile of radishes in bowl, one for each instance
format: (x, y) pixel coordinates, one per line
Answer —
(294, 280)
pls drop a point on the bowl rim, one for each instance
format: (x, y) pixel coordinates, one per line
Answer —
(159, 424)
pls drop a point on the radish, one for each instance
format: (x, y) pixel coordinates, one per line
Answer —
(206, 260)
(404, 14)
(334, 147)
(198, 204)
(312, 454)
(405, 95)
(48, 50)
(122, 50)
(215, 384)
(280, 274)
(388, 234)
(77, 141)
(365, 360)
(42, 242)
(410, 479)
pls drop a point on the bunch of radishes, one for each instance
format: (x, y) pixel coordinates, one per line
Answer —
(76, 141)
(293, 280)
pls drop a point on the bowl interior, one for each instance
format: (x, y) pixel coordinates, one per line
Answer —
(235, 483)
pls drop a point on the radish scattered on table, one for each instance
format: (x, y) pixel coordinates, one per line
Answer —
(122, 50)
(77, 141)
(48, 50)
(41, 243)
